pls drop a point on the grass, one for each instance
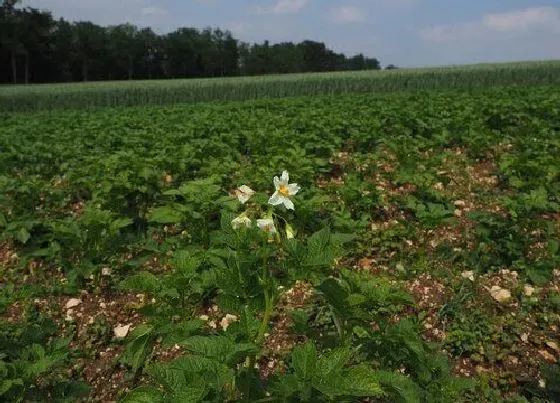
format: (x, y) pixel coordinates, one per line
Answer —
(162, 92)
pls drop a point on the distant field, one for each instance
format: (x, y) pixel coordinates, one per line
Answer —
(161, 92)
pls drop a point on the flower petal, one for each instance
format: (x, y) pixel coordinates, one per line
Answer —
(285, 177)
(276, 182)
(288, 203)
(246, 189)
(241, 221)
(275, 199)
(293, 188)
(243, 197)
(267, 225)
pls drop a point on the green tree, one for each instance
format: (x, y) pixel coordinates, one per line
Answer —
(11, 33)
(125, 47)
(89, 43)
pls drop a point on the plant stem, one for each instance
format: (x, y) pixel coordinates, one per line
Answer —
(268, 298)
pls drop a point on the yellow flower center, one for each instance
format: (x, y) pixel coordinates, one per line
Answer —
(283, 190)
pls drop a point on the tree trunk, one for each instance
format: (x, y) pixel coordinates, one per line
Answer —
(27, 68)
(85, 69)
(14, 67)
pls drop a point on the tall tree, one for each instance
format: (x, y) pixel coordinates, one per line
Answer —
(35, 47)
(64, 49)
(125, 47)
(35, 37)
(11, 23)
(88, 43)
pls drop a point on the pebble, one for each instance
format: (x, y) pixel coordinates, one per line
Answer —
(528, 290)
(500, 294)
(72, 302)
(121, 331)
(553, 345)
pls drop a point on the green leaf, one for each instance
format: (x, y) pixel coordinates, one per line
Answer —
(166, 215)
(361, 381)
(177, 333)
(333, 362)
(186, 263)
(22, 235)
(218, 347)
(188, 395)
(335, 295)
(538, 276)
(143, 394)
(120, 223)
(140, 345)
(304, 361)
(142, 282)
(553, 246)
(399, 387)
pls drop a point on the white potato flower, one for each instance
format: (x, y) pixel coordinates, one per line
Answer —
(283, 191)
(244, 193)
(241, 221)
(267, 225)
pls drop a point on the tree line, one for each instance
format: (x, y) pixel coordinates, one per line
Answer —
(35, 47)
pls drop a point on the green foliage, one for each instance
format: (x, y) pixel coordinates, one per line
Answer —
(33, 363)
(147, 193)
(323, 378)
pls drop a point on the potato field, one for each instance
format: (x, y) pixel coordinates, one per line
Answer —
(340, 239)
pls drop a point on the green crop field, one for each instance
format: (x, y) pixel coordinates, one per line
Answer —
(162, 92)
(330, 244)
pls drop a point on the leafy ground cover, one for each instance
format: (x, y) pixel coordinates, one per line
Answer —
(420, 261)
(165, 92)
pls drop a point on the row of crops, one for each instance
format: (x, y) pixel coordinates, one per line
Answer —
(161, 92)
(402, 247)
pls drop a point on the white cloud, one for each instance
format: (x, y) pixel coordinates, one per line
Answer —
(109, 12)
(524, 20)
(153, 11)
(289, 6)
(281, 7)
(347, 14)
(516, 22)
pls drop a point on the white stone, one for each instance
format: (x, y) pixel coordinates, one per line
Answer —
(227, 320)
(468, 274)
(528, 290)
(121, 331)
(106, 271)
(553, 345)
(500, 294)
(72, 302)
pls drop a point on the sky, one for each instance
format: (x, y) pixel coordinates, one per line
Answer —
(408, 33)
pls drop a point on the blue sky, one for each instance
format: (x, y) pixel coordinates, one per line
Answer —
(403, 32)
